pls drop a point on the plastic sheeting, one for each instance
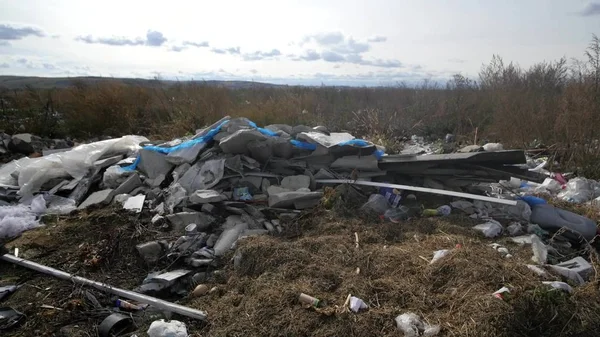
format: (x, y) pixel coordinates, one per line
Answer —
(17, 219)
(31, 173)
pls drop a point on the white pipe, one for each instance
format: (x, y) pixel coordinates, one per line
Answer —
(158, 303)
(419, 189)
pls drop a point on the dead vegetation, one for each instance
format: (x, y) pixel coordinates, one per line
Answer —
(389, 270)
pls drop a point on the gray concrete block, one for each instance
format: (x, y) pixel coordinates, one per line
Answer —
(154, 164)
(289, 199)
(151, 251)
(206, 197)
(182, 219)
(103, 197)
(295, 182)
(578, 265)
(129, 184)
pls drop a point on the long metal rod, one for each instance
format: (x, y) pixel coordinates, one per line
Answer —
(419, 189)
(158, 303)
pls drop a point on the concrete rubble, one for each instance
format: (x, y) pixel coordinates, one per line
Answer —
(234, 180)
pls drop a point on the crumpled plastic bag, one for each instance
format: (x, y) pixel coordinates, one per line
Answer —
(490, 229)
(578, 190)
(172, 328)
(439, 254)
(412, 326)
(540, 251)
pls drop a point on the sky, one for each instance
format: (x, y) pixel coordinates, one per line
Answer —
(312, 42)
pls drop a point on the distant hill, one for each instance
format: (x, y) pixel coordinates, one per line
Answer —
(20, 82)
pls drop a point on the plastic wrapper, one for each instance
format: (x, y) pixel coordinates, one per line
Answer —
(411, 325)
(540, 251)
(578, 190)
(490, 229)
(438, 255)
(377, 203)
(559, 285)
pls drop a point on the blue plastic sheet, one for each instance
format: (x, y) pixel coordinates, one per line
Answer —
(303, 145)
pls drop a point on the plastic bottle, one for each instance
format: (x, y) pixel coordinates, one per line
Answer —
(397, 214)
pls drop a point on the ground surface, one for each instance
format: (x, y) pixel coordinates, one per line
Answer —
(316, 255)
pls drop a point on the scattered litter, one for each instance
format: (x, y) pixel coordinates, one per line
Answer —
(438, 255)
(412, 326)
(10, 318)
(135, 204)
(540, 251)
(490, 229)
(356, 304)
(309, 300)
(500, 292)
(559, 285)
(173, 328)
(539, 271)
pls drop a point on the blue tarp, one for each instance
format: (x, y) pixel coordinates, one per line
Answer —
(211, 134)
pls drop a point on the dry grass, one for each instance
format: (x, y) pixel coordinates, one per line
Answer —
(260, 298)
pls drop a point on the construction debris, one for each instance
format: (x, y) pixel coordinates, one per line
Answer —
(203, 195)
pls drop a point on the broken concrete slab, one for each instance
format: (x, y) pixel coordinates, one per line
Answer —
(180, 170)
(206, 197)
(237, 142)
(154, 164)
(151, 251)
(203, 175)
(22, 143)
(129, 184)
(182, 219)
(102, 163)
(256, 182)
(208, 208)
(363, 163)
(295, 182)
(103, 197)
(273, 189)
(135, 204)
(288, 199)
(186, 154)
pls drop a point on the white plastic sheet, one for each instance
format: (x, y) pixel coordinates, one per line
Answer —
(32, 173)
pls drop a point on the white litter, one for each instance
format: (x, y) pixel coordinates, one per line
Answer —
(135, 203)
(490, 229)
(559, 285)
(172, 328)
(356, 304)
(540, 251)
(539, 271)
(412, 326)
(439, 254)
(17, 219)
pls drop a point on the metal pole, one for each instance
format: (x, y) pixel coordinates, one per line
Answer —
(158, 303)
(419, 189)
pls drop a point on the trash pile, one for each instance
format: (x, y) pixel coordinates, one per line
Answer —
(235, 179)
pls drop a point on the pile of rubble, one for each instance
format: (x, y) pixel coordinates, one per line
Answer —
(234, 179)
